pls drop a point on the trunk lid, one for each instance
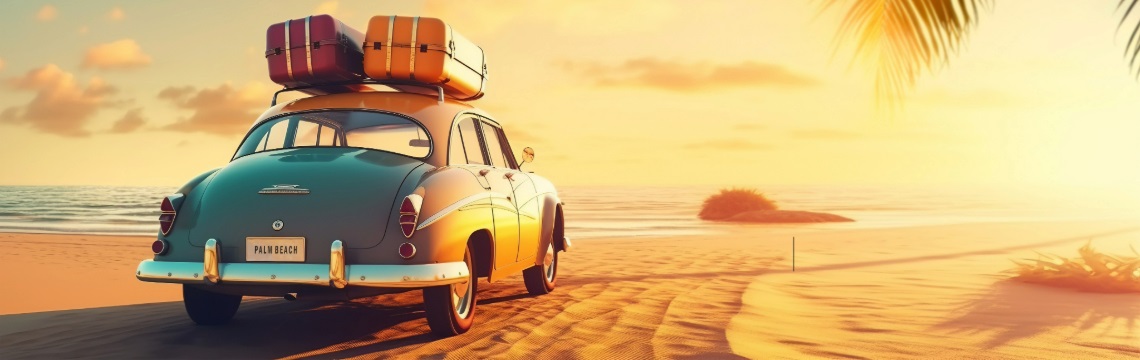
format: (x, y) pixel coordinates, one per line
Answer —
(350, 197)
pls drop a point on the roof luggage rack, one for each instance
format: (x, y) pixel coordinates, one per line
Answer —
(388, 83)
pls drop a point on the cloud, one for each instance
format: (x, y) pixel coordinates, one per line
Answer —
(223, 110)
(123, 54)
(60, 106)
(130, 122)
(327, 7)
(579, 17)
(825, 134)
(728, 144)
(681, 76)
(46, 13)
(116, 14)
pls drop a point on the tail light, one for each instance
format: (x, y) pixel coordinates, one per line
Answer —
(158, 247)
(407, 250)
(170, 205)
(410, 213)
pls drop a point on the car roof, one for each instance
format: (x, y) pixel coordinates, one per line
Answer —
(435, 115)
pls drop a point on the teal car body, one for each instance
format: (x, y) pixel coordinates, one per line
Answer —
(357, 194)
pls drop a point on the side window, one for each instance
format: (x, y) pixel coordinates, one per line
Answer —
(494, 147)
(465, 145)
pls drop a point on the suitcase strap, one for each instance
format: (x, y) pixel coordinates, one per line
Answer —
(308, 52)
(388, 57)
(412, 62)
(315, 45)
(379, 45)
(288, 55)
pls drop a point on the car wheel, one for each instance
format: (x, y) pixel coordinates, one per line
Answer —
(540, 279)
(451, 308)
(209, 308)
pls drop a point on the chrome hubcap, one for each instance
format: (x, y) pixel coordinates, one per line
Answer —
(550, 263)
(462, 293)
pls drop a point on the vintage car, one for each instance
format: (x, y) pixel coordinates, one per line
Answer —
(357, 194)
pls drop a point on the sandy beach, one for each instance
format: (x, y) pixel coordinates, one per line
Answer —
(914, 292)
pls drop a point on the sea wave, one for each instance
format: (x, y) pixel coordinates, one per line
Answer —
(607, 211)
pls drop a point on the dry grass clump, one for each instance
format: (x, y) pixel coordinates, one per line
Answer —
(730, 202)
(1092, 271)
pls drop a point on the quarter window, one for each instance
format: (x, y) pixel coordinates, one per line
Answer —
(465, 145)
(495, 147)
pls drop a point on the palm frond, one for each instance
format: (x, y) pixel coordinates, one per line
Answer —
(1132, 49)
(899, 40)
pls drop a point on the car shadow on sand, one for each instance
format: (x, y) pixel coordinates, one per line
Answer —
(263, 328)
(1012, 310)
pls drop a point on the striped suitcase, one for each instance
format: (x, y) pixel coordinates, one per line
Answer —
(315, 50)
(424, 50)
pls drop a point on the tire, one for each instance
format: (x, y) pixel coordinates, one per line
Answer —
(540, 279)
(209, 308)
(451, 308)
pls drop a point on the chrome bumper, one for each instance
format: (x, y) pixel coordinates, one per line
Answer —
(335, 274)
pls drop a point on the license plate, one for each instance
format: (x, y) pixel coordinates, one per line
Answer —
(285, 249)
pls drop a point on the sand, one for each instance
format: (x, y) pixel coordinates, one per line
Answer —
(919, 292)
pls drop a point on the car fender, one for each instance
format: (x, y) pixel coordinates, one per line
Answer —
(190, 185)
(550, 205)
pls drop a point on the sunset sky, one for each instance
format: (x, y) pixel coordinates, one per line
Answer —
(630, 92)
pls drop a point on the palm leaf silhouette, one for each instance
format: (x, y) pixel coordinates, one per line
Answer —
(1132, 49)
(902, 39)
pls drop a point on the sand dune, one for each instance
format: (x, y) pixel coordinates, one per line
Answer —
(888, 293)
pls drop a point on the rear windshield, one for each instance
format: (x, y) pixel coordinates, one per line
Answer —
(358, 129)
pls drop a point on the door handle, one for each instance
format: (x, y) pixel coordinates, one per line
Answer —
(484, 172)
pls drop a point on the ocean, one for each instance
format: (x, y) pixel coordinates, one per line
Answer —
(620, 211)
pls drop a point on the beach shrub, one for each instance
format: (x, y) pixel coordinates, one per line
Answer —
(730, 202)
(1091, 271)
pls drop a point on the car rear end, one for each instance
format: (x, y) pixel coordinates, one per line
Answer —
(302, 219)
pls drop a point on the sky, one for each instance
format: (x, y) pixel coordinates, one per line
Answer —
(639, 92)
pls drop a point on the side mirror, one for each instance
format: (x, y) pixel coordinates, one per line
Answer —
(527, 156)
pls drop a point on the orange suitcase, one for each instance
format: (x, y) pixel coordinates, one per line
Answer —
(424, 50)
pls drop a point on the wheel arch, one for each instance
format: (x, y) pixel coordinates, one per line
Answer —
(482, 244)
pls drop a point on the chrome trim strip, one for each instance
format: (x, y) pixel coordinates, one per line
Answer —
(412, 66)
(388, 44)
(308, 44)
(407, 276)
(284, 190)
(181, 272)
(210, 261)
(336, 265)
(382, 276)
(288, 52)
(451, 208)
